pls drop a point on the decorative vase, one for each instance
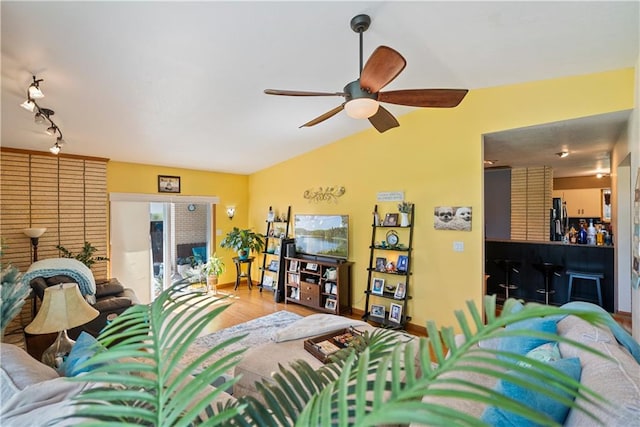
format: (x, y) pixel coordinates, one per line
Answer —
(404, 219)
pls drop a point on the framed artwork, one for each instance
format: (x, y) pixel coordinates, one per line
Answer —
(377, 310)
(400, 292)
(378, 286)
(330, 304)
(391, 219)
(381, 264)
(452, 218)
(273, 265)
(395, 313)
(403, 262)
(168, 184)
(267, 281)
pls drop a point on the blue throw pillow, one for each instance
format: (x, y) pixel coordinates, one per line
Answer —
(85, 347)
(522, 344)
(540, 402)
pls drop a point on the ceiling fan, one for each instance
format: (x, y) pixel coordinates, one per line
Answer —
(362, 96)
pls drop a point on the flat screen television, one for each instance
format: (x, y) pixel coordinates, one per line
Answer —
(322, 235)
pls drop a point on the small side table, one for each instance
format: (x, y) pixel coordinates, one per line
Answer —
(239, 274)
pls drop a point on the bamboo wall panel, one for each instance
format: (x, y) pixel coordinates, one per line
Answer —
(67, 195)
(531, 193)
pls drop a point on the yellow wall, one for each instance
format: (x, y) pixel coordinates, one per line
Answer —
(435, 157)
(231, 189)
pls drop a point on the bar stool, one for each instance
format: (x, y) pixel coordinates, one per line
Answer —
(548, 270)
(573, 274)
(507, 265)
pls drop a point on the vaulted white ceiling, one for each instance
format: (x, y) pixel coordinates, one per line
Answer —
(181, 83)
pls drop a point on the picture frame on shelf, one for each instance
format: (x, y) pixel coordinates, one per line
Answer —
(378, 311)
(381, 263)
(293, 265)
(311, 266)
(168, 184)
(378, 286)
(267, 282)
(391, 219)
(400, 292)
(402, 264)
(330, 304)
(273, 265)
(395, 313)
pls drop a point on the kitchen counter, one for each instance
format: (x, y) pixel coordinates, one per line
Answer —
(588, 258)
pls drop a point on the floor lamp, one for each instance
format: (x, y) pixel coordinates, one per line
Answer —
(34, 234)
(63, 307)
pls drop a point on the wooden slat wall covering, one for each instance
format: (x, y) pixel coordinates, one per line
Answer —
(531, 192)
(67, 195)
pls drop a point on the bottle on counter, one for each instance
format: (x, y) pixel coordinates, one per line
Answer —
(591, 233)
(582, 235)
(600, 236)
(572, 235)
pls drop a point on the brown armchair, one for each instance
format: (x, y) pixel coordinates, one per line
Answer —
(112, 299)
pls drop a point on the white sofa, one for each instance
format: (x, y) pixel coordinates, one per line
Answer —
(617, 379)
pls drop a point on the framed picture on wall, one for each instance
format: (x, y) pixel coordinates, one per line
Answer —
(168, 184)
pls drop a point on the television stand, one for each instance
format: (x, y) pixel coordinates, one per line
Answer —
(319, 283)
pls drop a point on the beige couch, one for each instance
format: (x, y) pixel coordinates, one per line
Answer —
(33, 394)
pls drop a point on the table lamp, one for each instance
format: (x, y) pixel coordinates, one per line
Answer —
(63, 307)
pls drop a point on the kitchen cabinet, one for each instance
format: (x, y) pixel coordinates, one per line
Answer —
(582, 202)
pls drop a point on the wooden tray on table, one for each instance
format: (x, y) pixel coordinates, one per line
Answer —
(323, 346)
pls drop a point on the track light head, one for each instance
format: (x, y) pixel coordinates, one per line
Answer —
(34, 89)
(29, 105)
(55, 149)
(51, 130)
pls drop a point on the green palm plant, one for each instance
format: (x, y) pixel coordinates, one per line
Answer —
(377, 383)
(380, 385)
(145, 345)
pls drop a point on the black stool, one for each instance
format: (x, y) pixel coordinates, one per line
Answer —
(548, 270)
(595, 277)
(507, 265)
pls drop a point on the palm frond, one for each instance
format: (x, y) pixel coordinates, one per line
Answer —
(386, 382)
(147, 383)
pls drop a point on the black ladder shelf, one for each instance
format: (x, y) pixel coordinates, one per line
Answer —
(380, 300)
(273, 264)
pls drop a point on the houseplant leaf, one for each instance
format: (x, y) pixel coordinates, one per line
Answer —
(148, 385)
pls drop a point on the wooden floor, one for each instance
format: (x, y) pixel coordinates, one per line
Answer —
(250, 304)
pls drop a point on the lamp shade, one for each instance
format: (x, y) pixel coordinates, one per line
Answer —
(63, 307)
(34, 232)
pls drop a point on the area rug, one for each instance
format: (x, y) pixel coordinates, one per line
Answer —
(260, 331)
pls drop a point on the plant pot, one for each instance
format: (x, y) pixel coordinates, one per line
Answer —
(243, 253)
(404, 219)
(212, 284)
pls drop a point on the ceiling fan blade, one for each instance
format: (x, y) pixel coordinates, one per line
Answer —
(439, 98)
(301, 93)
(383, 120)
(324, 117)
(383, 66)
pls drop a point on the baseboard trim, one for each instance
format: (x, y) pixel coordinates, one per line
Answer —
(414, 329)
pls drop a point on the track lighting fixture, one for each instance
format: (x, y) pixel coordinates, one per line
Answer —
(42, 115)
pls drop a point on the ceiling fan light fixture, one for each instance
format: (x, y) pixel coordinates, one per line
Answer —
(361, 108)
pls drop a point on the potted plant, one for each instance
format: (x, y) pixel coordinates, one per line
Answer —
(244, 241)
(213, 269)
(85, 256)
(405, 209)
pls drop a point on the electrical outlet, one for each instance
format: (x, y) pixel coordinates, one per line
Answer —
(458, 246)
